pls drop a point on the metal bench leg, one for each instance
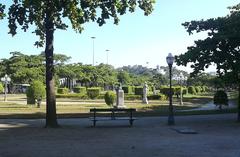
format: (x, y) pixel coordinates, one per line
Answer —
(131, 122)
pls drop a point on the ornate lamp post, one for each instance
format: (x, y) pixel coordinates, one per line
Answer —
(93, 48)
(6, 79)
(170, 60)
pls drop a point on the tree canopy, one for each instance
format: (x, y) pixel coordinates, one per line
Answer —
(220, 47)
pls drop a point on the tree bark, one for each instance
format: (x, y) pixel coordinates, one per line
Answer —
(51, 116)
(238, 116)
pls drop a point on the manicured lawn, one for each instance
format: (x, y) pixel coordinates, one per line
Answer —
(80, 108)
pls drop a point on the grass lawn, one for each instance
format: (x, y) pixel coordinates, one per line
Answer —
(80, 108)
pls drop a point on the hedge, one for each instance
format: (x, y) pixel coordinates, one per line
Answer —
(139, 90)
(132, 97)
(93, 92)
(81, 90)
(157, 97)
(192, 90)
(128, 89)
(62, 90)
(166, 90)
(72, 95)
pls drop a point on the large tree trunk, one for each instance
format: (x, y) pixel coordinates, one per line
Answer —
(51, 116)
(238, 118)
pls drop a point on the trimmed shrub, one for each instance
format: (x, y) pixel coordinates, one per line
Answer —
(36, 91)
(220, 98)
(81, 90)
(198, 89)
(62, 90)
(157, 97)
(139, 90)
(110, 98)
(128, 89)
(93, 92)
(1, 88)
(166, 90)
(72, 95)
(132, 97)
(192, 90)
(184, 90)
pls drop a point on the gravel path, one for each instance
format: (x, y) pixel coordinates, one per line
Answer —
(217, 136)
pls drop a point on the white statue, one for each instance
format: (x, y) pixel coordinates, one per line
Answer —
(145, 90)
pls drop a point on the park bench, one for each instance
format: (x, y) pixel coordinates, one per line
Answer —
(108, 114)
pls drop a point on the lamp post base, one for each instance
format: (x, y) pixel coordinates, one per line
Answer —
(171, 120)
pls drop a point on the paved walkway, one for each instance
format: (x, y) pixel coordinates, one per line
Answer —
(218, 136)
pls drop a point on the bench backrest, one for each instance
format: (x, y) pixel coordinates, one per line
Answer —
(113, 110)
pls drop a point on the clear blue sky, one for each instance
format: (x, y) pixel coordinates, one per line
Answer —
(136, 40)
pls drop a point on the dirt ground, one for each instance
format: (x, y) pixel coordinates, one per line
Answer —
(217, 136)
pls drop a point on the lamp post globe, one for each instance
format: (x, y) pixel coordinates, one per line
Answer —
(170, 60)
(6, 79)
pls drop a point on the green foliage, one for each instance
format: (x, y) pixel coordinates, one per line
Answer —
(81, 90)
(192, 90)
(157, 97)
(166, 90)
(128, 89)
(221, 46)
(62, 90)
(110, 98)
(184, 90)
(220, 98)
(1, 88)
(138, 90)
(198, 89)
(72, 95)
(132, 97)
(2, 7)
(93, 92)
(36, 91)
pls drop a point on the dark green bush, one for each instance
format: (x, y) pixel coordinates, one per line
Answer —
(157, 97)
(62, 90)
(81, 90)
(192, 90)
(36, 91)
(128, 89)
(139, 90)
(110, 98)
(198, 89)
(93, 92)
(220, 98)
(166, 90)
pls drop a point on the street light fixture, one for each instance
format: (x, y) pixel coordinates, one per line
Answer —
(93, 49)
(6, 79)
(170, 60)
(107, 55)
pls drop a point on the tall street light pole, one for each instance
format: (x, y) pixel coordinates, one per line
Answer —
(93, 49)
(170, 60)
(6, 79)
(107, 55)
